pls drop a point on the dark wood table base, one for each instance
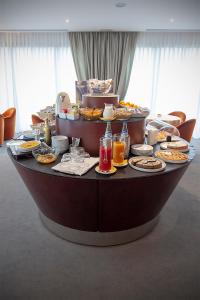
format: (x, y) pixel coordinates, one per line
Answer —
(99, 210)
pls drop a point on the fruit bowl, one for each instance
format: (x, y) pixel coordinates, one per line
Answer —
(45, 154)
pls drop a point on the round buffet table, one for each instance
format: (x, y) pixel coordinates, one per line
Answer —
(91, 131)
(96, 209)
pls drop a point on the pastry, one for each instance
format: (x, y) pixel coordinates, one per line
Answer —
(122, 113)
(46, 158)
(91, 113)
(162, 135)
(180, 145)
(172, 155)
(135, 160)
(149, 164)
(146, 163)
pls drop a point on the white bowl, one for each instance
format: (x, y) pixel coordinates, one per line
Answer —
(141, 149)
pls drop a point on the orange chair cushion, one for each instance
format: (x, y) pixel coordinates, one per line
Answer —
(36, 119)
(186, 129)
(179, 114)
(9, 123)
(1, 129)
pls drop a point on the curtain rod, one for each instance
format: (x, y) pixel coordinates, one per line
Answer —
(29, 30)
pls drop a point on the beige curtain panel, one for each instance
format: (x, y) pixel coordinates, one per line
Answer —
(104, 55)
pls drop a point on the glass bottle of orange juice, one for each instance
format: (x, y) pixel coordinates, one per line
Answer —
(126, 137)
(118, 149)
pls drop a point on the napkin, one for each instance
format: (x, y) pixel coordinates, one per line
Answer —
(76, 168)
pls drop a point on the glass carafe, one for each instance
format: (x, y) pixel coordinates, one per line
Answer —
(105, 154)
(108, 112)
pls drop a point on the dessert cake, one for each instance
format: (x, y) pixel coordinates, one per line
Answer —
(180, 145)
(146, 163)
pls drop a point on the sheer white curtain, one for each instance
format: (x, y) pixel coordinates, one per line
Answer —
(166, 74)
(35, 67)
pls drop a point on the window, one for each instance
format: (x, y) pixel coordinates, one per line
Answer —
(35, 67)
(165, 74)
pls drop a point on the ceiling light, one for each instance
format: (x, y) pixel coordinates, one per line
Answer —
(120, 4)
(67, 20)
(171, 20)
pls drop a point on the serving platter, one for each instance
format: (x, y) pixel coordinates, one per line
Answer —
(147, 170)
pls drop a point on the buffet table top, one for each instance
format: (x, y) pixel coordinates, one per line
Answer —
(121, 174)
(83, 121)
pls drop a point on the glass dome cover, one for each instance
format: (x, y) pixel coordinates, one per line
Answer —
(165, 130)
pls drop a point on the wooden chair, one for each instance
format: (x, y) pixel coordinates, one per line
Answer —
(36, 119)
(9, 123)
(179, 114)
(1, 130)
(186, 129)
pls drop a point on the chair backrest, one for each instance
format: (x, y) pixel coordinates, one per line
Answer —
(179, 114)
(9, 123)
(186, 129)
(36, 119)
(1, 129)
(9, 113)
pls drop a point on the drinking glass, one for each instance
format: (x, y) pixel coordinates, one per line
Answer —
(105, 154)
(118, 148)
(36, 133)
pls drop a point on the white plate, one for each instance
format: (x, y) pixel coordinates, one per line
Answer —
(14, 143)
(164, 147)
(148, 170)
(139, 115)
(173, 161)
(27, 150)
(135, 149)
(28, 134)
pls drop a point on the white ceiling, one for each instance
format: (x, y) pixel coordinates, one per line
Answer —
(95, 15)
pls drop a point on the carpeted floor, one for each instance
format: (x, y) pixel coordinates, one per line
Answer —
(36, 265)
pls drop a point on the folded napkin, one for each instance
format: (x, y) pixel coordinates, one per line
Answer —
(76, 168)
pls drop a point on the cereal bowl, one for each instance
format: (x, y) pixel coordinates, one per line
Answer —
(45, 154)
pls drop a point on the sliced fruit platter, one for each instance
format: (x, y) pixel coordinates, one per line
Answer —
(137, 111)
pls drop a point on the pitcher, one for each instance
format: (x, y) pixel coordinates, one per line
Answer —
(108, 112)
